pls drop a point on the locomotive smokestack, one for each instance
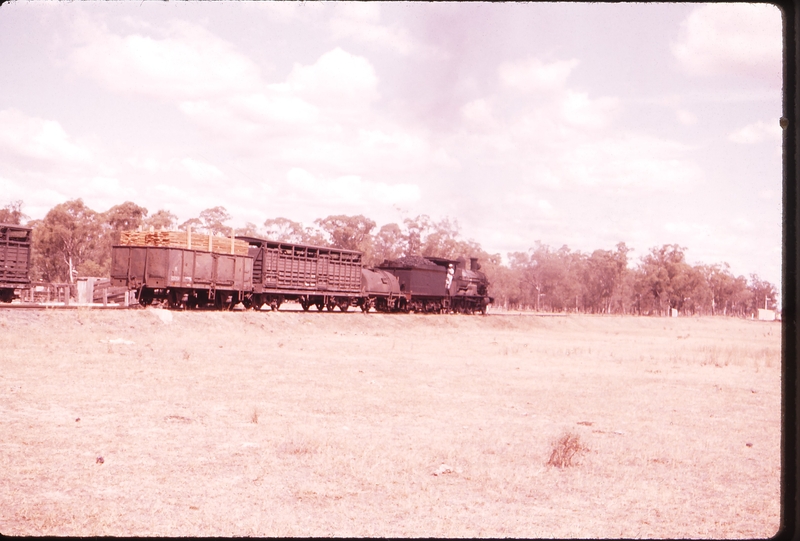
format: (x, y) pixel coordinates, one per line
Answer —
(473, 264)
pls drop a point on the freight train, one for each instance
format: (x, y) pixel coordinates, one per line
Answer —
(15, 260)
(271, 273)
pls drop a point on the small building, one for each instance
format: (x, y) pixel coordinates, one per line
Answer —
(766, 315)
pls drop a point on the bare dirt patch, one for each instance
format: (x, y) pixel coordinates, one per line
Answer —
(295, 424)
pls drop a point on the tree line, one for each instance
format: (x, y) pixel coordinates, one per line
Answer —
(73, 240)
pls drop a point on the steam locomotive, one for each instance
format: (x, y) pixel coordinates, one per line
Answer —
(272, 272)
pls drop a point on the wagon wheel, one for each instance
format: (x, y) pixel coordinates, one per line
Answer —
(330, 306)
(174, 301)
(145, 297)
(305, 305)
(221, 302)
(320, 305)
(344, 306)
(366, 305)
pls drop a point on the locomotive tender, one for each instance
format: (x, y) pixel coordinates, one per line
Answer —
(275, 272)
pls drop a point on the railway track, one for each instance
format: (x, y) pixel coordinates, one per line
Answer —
(62, 306)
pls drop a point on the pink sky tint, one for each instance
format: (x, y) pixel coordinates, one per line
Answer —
(571, 124)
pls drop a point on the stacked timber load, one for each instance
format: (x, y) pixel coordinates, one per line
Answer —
(185, 239)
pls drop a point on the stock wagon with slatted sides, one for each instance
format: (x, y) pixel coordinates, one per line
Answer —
(310, 275)
(15, 260)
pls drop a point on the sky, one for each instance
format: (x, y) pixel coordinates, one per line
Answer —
(580, 124)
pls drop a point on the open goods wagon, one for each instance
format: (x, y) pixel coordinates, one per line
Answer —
(311, 275)
(182, 277)
(15, 259)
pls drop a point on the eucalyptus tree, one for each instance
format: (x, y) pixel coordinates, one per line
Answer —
(764, 294)
(161, 219)
(347, 232)
(65, 240)
(213, 221)
(12, 213)
(285, 230)
(387, 243)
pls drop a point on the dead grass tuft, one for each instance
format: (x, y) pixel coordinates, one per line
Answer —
(565, 450)
(254, 416)
(297, 445)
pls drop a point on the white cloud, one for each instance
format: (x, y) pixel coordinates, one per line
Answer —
(478, 111)
(688, 229)
(350, 190)
(285, 12)
(337, 79)
(756, 133)
(630, 161)
(742, 224)
(579, 110)
(37, 138)
(228, 123)
(276, 106)
(12, 190)
(362, 12)
(360, 21)
(37, 199)
(535, 75)
(545, 207)
(686, 118)
(200, 170)
(149, 164)
(315, 101)
(732, 38)
(102, 193)
(402, 150)
(531, 205)
(190, 63)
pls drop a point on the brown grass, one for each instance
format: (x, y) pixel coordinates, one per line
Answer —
(565, 450)
(379, 425)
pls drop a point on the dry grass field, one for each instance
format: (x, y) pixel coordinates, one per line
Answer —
(149, 422)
